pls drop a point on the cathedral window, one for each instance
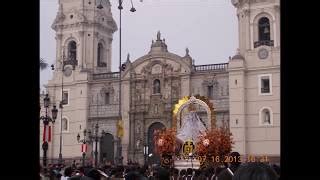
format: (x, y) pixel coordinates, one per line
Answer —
(264, 29)
(72, 50)
(210, 92)
(65, 98)
(156, 86)
(65, 125)
(265, 84)
(100, 56)
(107, 98)
(265, 116)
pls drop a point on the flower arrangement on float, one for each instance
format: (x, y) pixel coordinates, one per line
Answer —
(165, 145)
(165, 141)
(214, 145)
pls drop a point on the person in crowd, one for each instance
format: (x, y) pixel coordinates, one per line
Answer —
(73, 166)
(163, 174)
(218, 170)
(276, 168)
(202, 175)
(152, 174)
(189, 174)
(183, 173)
(67, 173)
(254, 171)
(174, 174)
(209, 173)
(197, 173)
(78, 174)
(231, 167)
(94, 174)
(132, 175)
(143, 173)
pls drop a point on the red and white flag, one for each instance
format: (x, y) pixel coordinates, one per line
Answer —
(46, 133)
(84, 148)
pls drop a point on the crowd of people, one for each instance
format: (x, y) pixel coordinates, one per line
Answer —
(231, 171)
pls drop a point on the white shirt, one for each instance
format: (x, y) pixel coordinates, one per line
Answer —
(64, 177)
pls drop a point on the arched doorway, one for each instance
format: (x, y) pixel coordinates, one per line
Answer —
(155, 158)
(107, 149)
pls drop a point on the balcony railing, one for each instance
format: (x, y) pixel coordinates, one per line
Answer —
(265, 90)
(211, 67)
(102, 64)
(266, 43)
(113, 75)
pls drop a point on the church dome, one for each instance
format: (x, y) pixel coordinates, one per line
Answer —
(238, 56)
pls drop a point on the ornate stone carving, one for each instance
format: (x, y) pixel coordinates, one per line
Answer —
(246, 12)
(138, 128)
(187, 52)
(158, 36)
(156, 69)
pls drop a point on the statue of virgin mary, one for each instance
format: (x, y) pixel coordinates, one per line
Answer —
(192, 127)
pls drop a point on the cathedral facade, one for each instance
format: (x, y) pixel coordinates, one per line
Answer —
(245, 91)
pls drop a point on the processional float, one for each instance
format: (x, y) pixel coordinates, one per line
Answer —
(193, 142)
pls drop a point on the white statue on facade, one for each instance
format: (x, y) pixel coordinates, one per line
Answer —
(192, 127)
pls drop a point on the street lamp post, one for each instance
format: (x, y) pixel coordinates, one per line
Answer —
(95, 137)
(72, 61)
(84, 146)
(46, 120)
(145, 153)
(120, 7)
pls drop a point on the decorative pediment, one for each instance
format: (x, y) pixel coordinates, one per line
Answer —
(147, 69)
(158, 67)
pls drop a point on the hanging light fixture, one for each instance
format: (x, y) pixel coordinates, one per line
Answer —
(120, 5)
(132, 8)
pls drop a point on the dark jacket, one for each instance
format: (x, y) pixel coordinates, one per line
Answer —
(226, 174)
(80, 178)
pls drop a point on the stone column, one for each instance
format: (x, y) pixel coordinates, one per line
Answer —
(81, 49)
(59, 50)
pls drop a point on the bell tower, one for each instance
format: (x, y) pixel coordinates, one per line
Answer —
(259, 24)
(254, 79)
(84, 35)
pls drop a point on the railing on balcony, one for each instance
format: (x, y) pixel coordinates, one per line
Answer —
(113, 75)
(211, 67)
(265, 90)
(110, 110)
(266, 43)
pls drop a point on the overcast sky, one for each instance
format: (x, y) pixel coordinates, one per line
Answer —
(208, 28)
